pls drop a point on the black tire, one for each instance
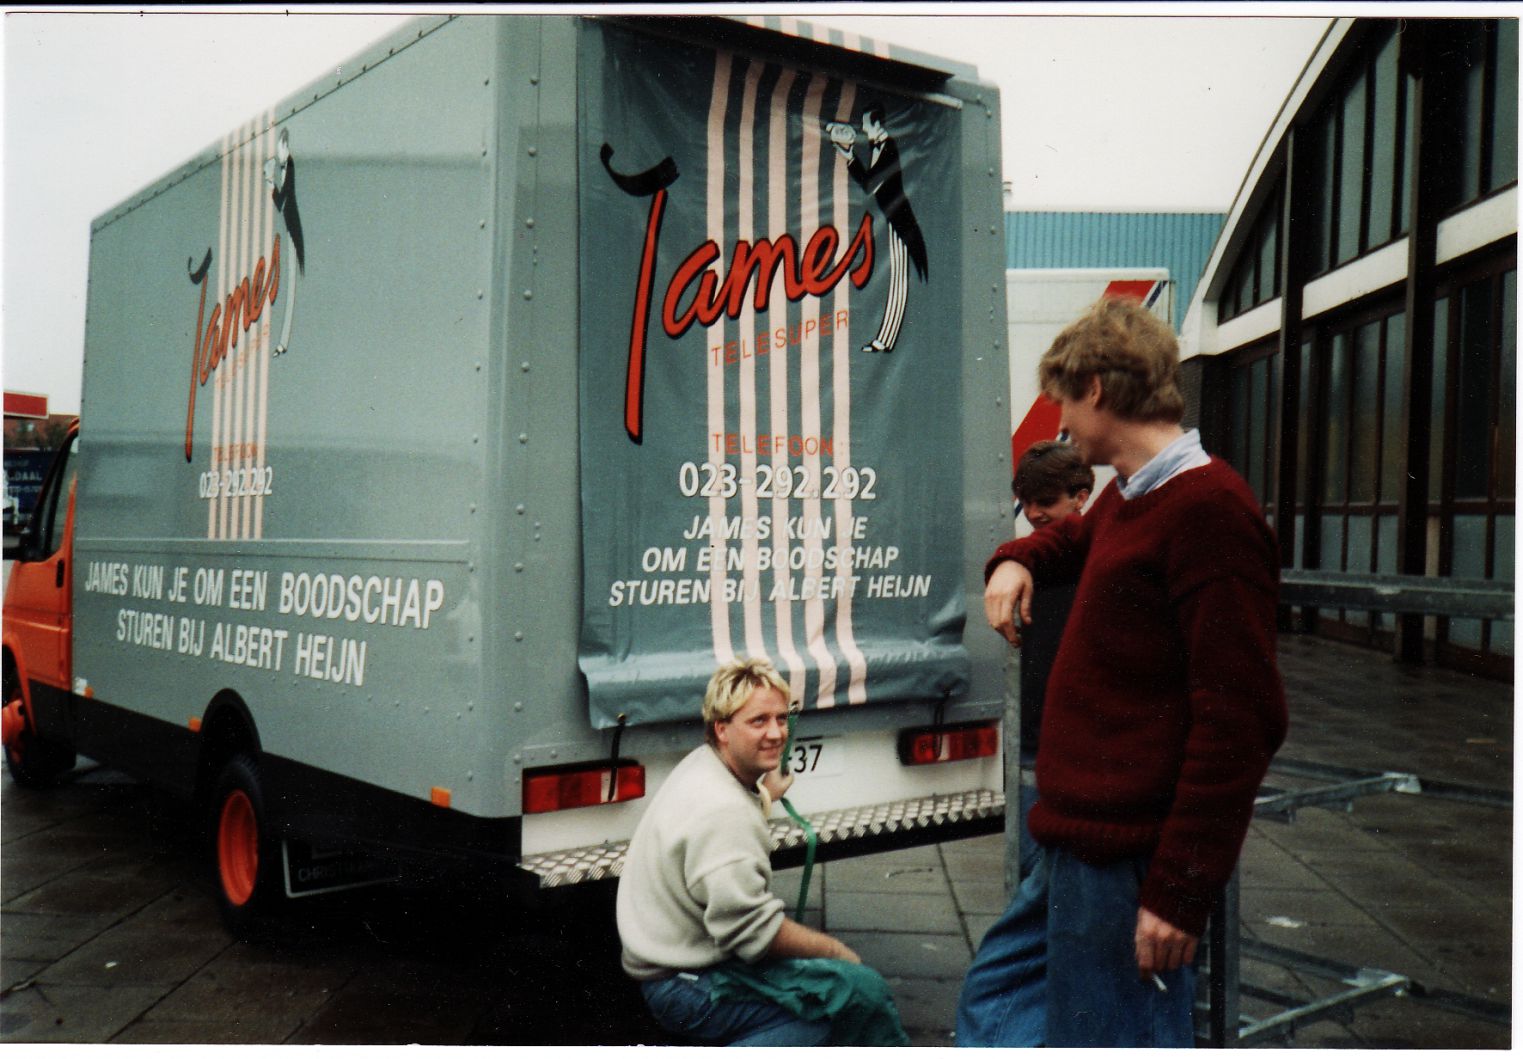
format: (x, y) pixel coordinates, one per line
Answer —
(244, 851)
(32, 760)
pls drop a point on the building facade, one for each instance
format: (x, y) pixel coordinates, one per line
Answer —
(1352, 344)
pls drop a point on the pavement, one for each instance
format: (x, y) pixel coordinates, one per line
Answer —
(109, 931)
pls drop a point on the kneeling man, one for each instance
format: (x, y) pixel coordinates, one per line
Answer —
(717, 959)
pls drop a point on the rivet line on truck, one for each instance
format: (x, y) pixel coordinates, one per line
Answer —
(445, 425)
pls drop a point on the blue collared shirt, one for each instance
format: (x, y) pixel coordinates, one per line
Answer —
(1182, 454)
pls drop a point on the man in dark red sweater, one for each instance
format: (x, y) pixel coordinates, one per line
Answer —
(1163, 709)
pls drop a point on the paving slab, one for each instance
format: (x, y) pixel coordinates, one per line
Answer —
(871, 875)
(980, 897)
(38, 936)
(911, 955)
(395, 1017)
(139, 953)
(72, 1014)
(149, 1030)
(912, 913)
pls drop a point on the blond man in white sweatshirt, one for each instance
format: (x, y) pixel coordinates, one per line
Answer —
(696, 887)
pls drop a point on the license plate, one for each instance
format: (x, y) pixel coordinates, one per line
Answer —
(814, 755)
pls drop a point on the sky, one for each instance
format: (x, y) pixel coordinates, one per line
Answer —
(1099, 113)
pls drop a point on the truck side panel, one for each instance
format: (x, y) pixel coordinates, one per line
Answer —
(284, 472)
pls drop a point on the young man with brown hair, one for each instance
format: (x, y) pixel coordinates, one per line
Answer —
(1163, 709)
(1051, 483)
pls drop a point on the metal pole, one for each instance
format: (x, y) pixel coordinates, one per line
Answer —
(1226, 972)
(1012, 750)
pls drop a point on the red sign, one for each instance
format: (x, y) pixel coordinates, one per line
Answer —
(26, 405)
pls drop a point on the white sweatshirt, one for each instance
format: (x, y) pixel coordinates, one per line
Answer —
(695, 887)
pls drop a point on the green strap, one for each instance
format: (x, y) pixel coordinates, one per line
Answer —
(811, 841)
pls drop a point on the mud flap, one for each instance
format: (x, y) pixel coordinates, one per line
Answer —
(310, 871)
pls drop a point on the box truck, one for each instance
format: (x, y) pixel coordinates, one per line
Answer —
(1040, 302)
(447, 423)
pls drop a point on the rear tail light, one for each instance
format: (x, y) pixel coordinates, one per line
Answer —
(576, 786)
(957, 742)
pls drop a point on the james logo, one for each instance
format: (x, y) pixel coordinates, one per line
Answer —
(243, 305)
(814, 272)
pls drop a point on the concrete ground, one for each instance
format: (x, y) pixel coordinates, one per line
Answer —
(109, 933)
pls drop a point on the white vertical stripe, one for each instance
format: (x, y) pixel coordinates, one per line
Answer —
(841, 353)
(719, 610)
(756, 646)
(231, 377)
(778, 186)
(219, 284)
(809, 389)
(245, 359)
(223, 376)
(267, 328)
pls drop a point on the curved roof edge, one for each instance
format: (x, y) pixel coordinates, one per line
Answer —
(1257, 183)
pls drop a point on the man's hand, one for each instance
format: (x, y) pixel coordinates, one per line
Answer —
(1161, 946)
(1009, 587)
(777, 783)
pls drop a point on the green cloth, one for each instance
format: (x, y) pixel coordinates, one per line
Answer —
(853, 996)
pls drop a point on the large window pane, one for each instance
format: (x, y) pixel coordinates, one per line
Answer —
(1502, 570)
(1245, 279)
(1332, 543)
(1239, 433)
(1504, 113)
(1507, 397)
(1336, 456)
(1268, 237)
(1360, 558)
(1393, 443)
(1351, 173)
(1473, 414)
(1469, 561)
(1364, 432)
(1473, 79)
(1383, 178)
(1440, 400)
(1385, 557)
(1257, 413)
(1409, 88)
(1304, 425)
(1325, 167)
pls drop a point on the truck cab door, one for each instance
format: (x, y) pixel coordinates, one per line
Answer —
(38, 606)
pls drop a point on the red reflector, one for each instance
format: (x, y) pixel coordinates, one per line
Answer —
(576, 786)
(929, 746)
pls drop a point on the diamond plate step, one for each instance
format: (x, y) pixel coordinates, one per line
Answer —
(568, 867)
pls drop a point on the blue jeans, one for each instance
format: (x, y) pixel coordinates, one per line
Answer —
(681, 1006)
(1059, 968)
(1029, 850)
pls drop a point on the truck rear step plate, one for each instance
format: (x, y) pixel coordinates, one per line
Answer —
(566, 867)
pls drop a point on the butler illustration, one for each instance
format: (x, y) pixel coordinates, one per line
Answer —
(882, 178)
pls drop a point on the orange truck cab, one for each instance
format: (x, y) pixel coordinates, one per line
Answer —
(38, 621)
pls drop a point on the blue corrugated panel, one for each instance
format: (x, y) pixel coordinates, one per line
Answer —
(1179, 242)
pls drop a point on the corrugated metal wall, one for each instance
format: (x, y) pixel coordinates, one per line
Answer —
(1179, 242)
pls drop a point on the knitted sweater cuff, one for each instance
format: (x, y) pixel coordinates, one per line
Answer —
(1188, 911)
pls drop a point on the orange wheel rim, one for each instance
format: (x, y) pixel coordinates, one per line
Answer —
(238, 847)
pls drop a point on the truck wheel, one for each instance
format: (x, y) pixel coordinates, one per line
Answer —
(248, 868)
(32, 760)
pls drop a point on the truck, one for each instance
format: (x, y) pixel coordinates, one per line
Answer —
(1039, 303)
(447, 423)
